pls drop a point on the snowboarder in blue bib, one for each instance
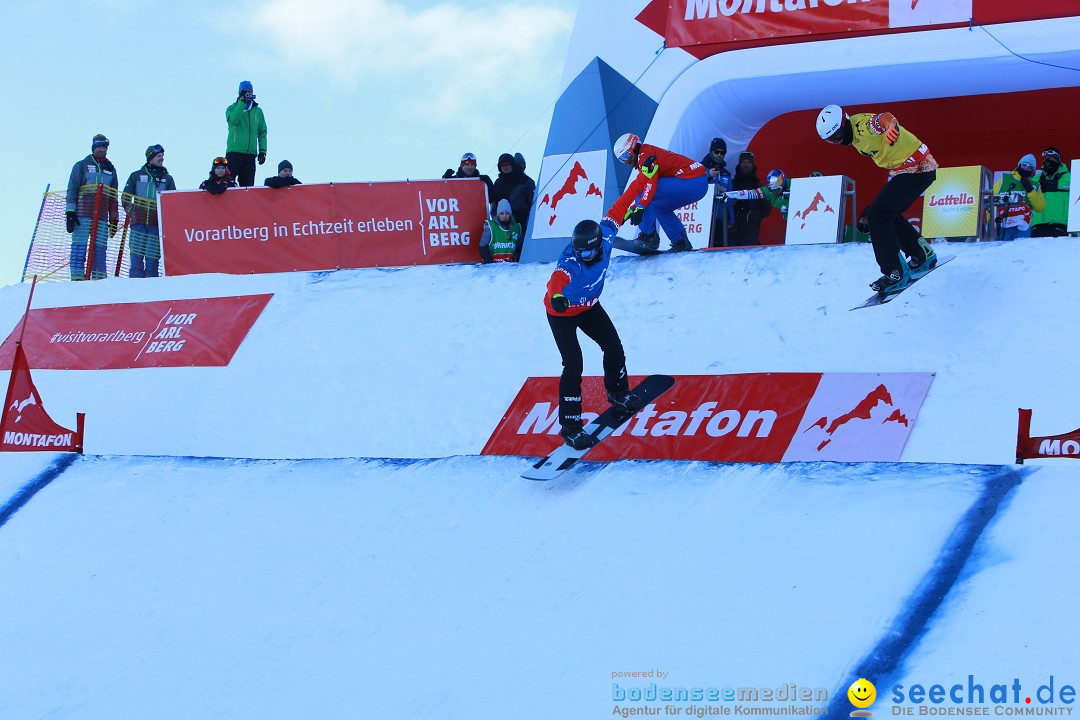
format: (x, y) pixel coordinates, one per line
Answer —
(573, 302)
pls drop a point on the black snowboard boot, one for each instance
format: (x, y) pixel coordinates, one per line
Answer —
(648, 241)
(577, 438)
(625, 404)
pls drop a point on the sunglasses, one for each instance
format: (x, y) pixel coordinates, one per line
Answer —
(719, 152)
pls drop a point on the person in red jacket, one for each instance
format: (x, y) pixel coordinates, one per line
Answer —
(666, 181)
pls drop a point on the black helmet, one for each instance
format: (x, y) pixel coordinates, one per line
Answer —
(587, 241)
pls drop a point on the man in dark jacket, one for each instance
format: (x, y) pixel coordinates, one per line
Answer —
(748, 213)
(467, 169)
(284, 177)
(92, 193)
(1054, 181)
(718, 175)
(140, 202)
(515, 187)
(220, 178)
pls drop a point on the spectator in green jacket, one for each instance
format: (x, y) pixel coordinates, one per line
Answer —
(501, 239)
(1018, 197)
(1053, 180)
(247, 135)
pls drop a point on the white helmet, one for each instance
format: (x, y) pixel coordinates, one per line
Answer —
(829, 121)
(625, 146)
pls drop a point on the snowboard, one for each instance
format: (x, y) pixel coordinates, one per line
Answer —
(631, 246)
(882, 298)
(564, 457)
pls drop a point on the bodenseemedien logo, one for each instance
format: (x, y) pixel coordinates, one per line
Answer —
(862, 695)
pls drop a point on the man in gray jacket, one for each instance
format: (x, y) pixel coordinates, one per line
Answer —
(92, 194)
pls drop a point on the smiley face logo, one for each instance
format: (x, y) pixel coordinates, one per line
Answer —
(862, 693)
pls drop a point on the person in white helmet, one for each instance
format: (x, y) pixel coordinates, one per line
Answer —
(911, 168)
(666, 181)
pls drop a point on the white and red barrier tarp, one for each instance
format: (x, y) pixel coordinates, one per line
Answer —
(754, 417)
(1044, 446)
(200, 332)
(25, 426)
(323, 227)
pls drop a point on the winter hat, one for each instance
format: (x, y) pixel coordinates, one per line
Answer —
(1028, 160)
(245, 85)
(99, 141)
(746, 155)
(504, 159)
(519, 160)
(503, 206)
(467, 156)
(718, 144)
(152, 151)
(284, 164)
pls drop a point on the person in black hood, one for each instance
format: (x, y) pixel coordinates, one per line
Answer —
(719, 175)
(748, 213)
(514, 186)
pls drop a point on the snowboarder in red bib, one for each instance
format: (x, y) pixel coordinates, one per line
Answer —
(573, 302)
(666, 181)
(911, 168)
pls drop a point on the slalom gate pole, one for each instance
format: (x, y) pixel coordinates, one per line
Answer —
(37, 224)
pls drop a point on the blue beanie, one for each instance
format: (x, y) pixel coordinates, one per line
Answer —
(244, 85)
(1028, 160)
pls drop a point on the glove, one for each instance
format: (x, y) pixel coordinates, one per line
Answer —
(649, 167)
(608, 230)
(559, 303)
(1025, 180)
(262, 157)
(72, 221)
(863, 225)
(634, 215)
(892, 133)
(448, 174)
(112, 229)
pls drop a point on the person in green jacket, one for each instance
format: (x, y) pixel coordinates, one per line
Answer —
(1018, 197)
(247, 135)
(501, 239)
(1053, 180)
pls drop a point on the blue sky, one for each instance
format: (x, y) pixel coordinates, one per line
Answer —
(352, 89)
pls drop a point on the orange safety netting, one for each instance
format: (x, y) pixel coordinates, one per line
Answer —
(112, 239)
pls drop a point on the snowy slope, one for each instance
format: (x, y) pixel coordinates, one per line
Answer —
(422, 362)
(137, 582)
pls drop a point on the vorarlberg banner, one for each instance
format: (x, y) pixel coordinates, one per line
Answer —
(754, 417)
(678, 73)
(323, 227)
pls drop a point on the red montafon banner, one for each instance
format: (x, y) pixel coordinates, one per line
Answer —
(166, 333)
(756, 417)
(25, 426)
(699, 22)
(1044, 446)
(323, 227)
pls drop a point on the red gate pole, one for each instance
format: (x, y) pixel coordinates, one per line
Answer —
(91, 246)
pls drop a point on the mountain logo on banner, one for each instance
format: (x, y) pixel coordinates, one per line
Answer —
(866, 409)
(18, 405)
(25, 426)
(571, 189)
(814, 207)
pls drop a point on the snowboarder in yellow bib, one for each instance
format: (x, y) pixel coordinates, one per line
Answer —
(911, 168)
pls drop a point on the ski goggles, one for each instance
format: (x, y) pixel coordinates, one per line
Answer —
(100, 143)
(154, 150)
(1052, 154)
(221, 161)
(588, 254)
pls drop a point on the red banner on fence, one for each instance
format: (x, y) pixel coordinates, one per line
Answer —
(25, 426)
(167, 333)
(323, 227)
(1044, 446)
(756, 417)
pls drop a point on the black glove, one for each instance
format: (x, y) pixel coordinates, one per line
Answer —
(863, 225)
(262, 157)
(649, 166)
(559, 303)
(72, 221)
(448, 174)
(1025, 180)
(635, 216)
